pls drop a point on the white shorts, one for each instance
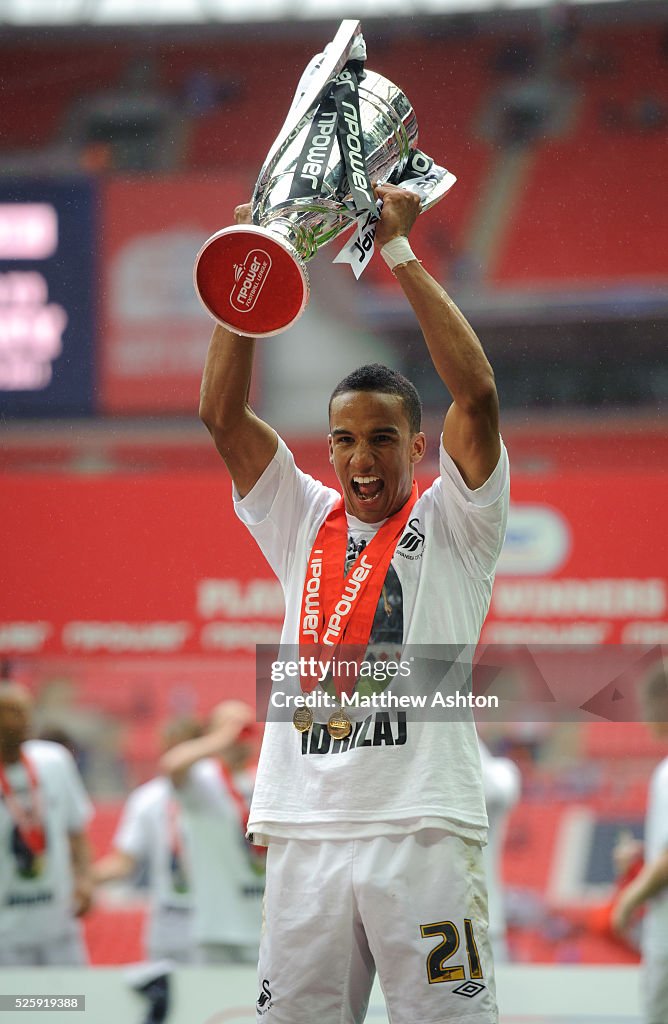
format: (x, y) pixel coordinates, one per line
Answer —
(655, 990)
(66, 950)
(413, 907)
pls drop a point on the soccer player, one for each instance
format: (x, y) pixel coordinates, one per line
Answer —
(374, 828)
(150, 832)
(213, 786)
(650, 885)
(502, 786)
(45, 879)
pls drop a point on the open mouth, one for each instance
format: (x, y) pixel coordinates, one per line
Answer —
(367, 488)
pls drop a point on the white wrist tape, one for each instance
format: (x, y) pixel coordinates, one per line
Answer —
(397, 252)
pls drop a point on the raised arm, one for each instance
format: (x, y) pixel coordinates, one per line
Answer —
(471, 425)
(246, 443)
(229, 721)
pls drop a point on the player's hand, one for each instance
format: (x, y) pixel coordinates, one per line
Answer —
(622, 913)
(82, 897)
(233, 717)
(626, 852)
(242, 214)
(399, 213)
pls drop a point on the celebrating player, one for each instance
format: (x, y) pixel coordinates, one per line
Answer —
(374, 845)
(45, 880)
(650, 884)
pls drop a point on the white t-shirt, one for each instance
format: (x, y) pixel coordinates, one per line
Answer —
(150, 830)
(227, 877)
(425, 773)
(37, 909)
(655, 925)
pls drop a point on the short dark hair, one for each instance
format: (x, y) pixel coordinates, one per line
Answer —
(376, 377)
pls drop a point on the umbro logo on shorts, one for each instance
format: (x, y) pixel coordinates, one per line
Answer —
(468, 989)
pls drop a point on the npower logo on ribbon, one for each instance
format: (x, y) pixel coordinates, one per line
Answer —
(249, 278)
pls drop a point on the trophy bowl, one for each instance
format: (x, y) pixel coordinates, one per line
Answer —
(315, 184)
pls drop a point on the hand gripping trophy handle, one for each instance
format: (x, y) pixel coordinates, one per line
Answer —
(346, 127)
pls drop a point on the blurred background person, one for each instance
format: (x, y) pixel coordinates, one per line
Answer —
(213, 778)
(650, 884)
(502, 786)
(150, 833)
(45, 877)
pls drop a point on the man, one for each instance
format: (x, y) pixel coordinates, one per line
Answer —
(502, 785)
(374, 845)
(213, 788)
(45, 880)
(650, 884)
(150, 832)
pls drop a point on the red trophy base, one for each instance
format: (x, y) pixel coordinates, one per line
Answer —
(250, 281)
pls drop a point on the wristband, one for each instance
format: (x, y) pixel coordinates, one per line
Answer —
(397, 253)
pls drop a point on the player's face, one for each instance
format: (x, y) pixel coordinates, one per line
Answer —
(15, 709)
(373, 451)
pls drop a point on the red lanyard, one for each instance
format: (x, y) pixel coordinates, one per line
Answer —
(28, 822)
(333, 612)
(242, 808)
(241, 805)
(174, 828)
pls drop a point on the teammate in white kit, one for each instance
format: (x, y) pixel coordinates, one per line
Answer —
(502, 785)
(374, 828)
(650, 886)
(150, 831)
(213, 786)
(45, 881)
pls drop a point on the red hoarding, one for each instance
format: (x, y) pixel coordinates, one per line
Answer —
(159, 564)
(155, 332)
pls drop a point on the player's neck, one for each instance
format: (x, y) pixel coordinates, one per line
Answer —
(10, 753)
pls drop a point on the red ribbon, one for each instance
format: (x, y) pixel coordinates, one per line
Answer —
(335, 612)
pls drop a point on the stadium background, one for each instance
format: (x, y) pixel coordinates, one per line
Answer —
(129, 591)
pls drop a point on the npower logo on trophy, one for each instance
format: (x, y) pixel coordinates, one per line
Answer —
(249, 278)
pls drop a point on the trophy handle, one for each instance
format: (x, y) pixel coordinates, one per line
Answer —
(315, 80)
(430, 193)
(425, 179)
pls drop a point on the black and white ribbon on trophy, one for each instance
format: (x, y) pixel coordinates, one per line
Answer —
(338, 117)
(419, 176)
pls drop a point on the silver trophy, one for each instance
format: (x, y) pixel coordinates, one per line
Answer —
(346, 128)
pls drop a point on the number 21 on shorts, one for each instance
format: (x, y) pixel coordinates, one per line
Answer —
(438, 968)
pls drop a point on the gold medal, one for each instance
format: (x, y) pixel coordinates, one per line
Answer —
(302, 719)
(339, 725)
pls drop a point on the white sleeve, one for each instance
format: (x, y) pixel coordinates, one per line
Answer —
(475, 518)
(659, 808)
(131, 834)
(79, 809)
(279, 505)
